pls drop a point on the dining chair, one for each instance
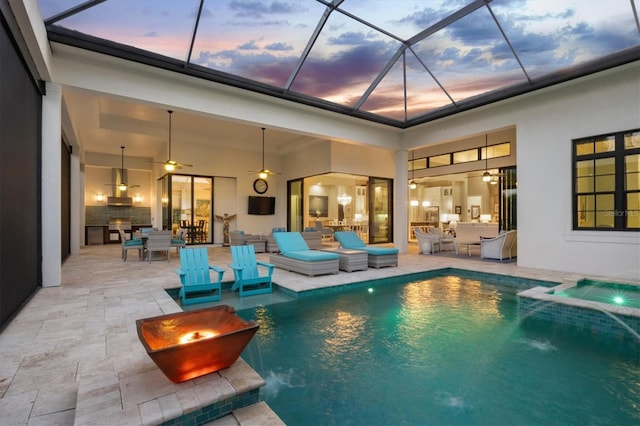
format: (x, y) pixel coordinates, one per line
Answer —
(127, 245)
(158, 241)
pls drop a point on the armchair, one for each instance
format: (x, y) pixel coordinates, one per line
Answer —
(499, 247)
(443, 239)
(427, 242)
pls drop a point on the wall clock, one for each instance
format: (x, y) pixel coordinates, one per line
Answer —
(260, 186)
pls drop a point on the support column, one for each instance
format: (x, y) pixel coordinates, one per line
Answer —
(51, 186)
(400, 211)
(77, 201)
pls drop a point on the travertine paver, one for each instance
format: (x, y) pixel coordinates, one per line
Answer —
(81, 337)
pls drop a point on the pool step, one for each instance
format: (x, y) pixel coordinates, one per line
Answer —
(256, 414)
(146, 397)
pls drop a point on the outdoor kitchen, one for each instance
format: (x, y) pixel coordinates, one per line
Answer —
(109, 209)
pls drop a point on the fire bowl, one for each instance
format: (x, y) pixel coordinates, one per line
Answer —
(191, 344)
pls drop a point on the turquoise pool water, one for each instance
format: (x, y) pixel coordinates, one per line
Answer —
(603, 292)
(445, 350)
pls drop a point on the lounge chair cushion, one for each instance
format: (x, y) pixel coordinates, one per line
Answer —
(311, 255)
(294, 246)
(379, 251)
(350, 240)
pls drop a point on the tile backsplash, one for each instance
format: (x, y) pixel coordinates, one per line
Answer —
(100, 215)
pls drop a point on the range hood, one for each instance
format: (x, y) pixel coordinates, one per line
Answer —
(120, 197)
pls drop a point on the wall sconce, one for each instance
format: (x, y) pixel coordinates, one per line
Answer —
(137, 198)
(485, 218)
(99, 198)
(426, 203)
(414, 203)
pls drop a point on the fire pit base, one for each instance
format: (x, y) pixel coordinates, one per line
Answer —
(191, 344)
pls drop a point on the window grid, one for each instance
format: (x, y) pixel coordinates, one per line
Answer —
(606, 182)
(458, 157)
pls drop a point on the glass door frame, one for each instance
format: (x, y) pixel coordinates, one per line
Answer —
(296, 206)
(172, 217)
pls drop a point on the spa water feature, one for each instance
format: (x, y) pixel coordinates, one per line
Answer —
(443, 350)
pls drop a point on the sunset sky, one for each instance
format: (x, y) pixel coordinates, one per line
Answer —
(264, 41)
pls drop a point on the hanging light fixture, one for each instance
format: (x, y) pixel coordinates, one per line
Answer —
(412, 182)
(264, 172)
(486, 176)
(169, 165)
(122, 186)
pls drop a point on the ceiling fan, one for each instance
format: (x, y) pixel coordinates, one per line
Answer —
(171, 165)
(264, 172)
(121, 183)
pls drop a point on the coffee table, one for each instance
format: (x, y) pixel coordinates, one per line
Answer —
(468, 244)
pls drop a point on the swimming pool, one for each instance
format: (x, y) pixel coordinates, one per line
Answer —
(445, 350)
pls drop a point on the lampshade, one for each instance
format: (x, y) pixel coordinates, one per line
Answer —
(485, 218)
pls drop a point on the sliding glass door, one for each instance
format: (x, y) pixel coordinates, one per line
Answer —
(187, 203)
(380, 206)
(295, 206)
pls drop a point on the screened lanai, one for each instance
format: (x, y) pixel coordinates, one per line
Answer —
(397, 62)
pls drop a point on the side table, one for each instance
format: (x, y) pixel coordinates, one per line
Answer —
(351, 260)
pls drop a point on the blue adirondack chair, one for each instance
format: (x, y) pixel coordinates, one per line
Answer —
(248, 279)
(195, 277)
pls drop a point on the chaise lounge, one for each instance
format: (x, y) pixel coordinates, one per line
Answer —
(296, 256)
(378, 257)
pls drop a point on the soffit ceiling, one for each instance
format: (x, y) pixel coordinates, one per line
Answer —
(397, 62)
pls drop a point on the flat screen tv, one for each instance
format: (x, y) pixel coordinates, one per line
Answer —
(262, 205)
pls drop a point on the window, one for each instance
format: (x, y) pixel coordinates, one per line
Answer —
(440, 160)
(465, 156)
(606, 182)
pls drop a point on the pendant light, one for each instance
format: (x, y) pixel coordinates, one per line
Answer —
(412, 182)
(122, 185)
(264, 173)
(169, 165)
(486, 176)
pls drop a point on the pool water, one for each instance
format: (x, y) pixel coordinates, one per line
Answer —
(611, 293)
(446, 350)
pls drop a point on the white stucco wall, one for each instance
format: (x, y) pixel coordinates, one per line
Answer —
(546, 122)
